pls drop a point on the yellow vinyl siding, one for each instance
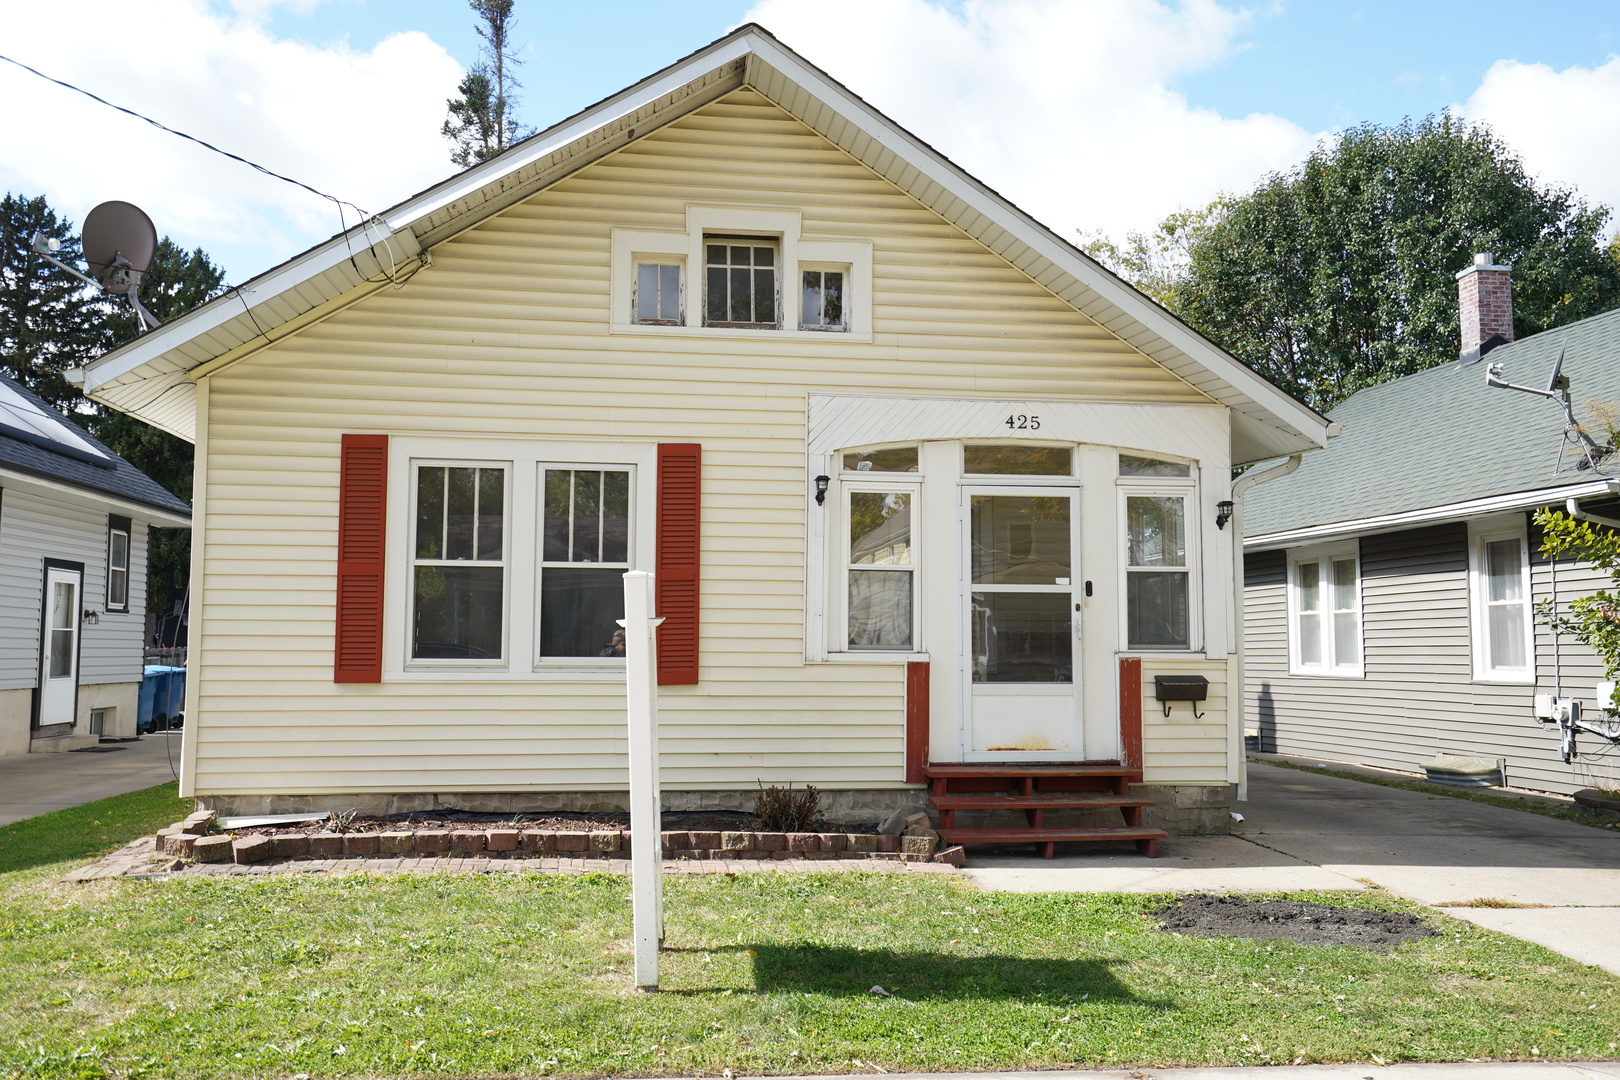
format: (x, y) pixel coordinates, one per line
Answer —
(508, 334)
(1181, 749)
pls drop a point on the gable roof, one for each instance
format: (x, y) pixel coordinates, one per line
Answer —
(153, 377)
(57, 451)
(1441, 437)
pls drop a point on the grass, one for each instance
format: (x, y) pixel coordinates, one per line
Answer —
(1508, 802)
(501, 974)
(90, 830)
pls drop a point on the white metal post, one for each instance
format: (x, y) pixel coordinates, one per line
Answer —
(646, 840)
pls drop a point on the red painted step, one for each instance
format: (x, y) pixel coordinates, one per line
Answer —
(1063, 800)
(1144, 837)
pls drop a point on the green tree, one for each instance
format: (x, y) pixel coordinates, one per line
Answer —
(1340, 273)
(1592, 620)
(480, 123)
(49, 320)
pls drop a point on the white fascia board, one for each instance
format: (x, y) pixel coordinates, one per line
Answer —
(1430, 515)
(1039, 239)
(101, 502)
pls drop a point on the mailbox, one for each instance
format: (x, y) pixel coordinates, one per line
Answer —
(1193, 688)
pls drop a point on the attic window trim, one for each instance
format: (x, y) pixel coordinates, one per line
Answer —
(795, 252)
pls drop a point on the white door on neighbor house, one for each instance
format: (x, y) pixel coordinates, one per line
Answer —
(59, 660)
(1021, 594)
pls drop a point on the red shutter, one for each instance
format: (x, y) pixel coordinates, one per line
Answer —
(362, 527)
(676, 567)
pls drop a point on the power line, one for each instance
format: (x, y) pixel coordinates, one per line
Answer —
(209, 146)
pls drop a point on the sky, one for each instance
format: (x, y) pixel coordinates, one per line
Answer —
(1096, 116)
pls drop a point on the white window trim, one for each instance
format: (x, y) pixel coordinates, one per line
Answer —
(630, 246)
(526, 461)
(1481, 532)
(129, 557)
(507, 483)
(541, 564)
(838, 636)
(1324, 555)
(1185, 489)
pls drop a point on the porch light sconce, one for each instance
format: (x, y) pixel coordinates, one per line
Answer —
(1223, 513)
(821, 489)
(91, 617)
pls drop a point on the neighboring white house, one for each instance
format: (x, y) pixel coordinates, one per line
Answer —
(73, 523)
(922, 484)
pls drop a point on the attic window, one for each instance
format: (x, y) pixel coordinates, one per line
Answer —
(658, 293)
(741, 282)
(823, 300)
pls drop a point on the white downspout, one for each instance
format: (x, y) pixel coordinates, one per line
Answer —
(1239, 488)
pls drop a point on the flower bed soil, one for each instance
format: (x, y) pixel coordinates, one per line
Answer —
(1290, 920)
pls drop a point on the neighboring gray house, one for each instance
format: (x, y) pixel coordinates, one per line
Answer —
(1391, 580)
(73, 524)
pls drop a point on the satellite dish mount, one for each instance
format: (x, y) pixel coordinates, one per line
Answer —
(1592, 453)
(119, 243)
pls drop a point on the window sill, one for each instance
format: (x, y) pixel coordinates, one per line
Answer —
(1503, 680)
(1326, 673)
(503, 675)
(736, 334)
(873, 657)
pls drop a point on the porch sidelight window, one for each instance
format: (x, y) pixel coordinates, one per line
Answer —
(118, 532)
(740, 275)
(1324, 608)
(1500, 587)
(585, 553)
(459, 571)
(1157, 572)
(881, 570)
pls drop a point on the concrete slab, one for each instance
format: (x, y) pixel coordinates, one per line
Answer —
(1590, 935)
(33, 784)
(1185, 864)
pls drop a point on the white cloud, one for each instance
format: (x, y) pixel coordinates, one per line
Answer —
(1067, 107)
(363, 126)
(1564, 124)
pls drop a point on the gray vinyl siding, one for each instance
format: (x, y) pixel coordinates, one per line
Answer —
(33, 529)
(1418, 697)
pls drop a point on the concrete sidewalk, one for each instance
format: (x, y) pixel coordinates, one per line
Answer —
(33, 784)
(1308, 831)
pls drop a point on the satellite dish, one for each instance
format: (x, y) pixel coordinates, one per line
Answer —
(1557, 371)
(119, 242)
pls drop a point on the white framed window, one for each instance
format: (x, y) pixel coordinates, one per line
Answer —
(741, 282)
(1499, 600)
(511, 555)
(880, 595)
(1324, 611)
(1160, 554)
(821, 298)
(118, 534)
(659, 298)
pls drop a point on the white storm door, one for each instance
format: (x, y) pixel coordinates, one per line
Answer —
(59, 659)
(1021, 590)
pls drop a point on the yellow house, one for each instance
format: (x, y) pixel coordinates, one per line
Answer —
(931, 497)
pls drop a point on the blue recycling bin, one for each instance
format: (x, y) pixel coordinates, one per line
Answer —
(163, 696)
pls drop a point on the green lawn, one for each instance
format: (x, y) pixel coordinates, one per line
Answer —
(82, 832)
(502, 974)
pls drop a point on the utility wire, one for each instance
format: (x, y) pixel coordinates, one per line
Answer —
(209, 146)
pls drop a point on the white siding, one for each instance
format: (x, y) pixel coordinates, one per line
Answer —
(507, 334)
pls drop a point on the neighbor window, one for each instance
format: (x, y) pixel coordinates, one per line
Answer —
(740, 282)
(118, 532)
(881, 569)
(658, 293)
(822, 300)
(459, 565)
(1157, 572)
(584, 555)
(1324, 611)
(1499, 573)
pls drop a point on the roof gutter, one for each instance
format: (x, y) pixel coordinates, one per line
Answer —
(1572, 506)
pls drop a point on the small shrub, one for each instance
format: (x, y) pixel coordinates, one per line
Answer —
(344, 822)
(780, 810)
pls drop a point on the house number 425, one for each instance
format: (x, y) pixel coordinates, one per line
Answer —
(1020, 422)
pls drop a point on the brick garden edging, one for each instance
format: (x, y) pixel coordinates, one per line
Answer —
(188, 840)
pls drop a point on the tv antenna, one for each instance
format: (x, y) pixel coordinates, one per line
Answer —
(118, 242)
(1592, 453)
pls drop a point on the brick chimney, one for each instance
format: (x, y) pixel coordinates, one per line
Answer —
(1485, 299)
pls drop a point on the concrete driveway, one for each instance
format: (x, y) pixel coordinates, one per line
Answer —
(33, 784)
(1307, 831)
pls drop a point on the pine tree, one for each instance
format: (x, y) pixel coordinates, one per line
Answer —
(49, 320)
(480, 121)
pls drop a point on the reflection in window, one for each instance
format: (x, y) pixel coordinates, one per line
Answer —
(118, 567)
(1016, 460)
(823, 300)
(585, 552)
(880, 570)
(1020, 540)
(1021, 637)
(741, 284)
(458, 578)
(893, 459)
(1505, 607)
(1130, 465)
(1156, 572)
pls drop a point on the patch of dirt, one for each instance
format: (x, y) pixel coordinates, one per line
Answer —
(1290, 920)
(673, 820)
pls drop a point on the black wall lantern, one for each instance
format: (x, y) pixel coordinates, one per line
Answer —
(821, 489)
(1223, 513)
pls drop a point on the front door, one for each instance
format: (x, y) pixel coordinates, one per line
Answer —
(59, 659)
(1021, 602)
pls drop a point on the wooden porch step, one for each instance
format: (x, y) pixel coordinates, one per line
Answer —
(1144, 837)
(1063, 800)
(1035, 770)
